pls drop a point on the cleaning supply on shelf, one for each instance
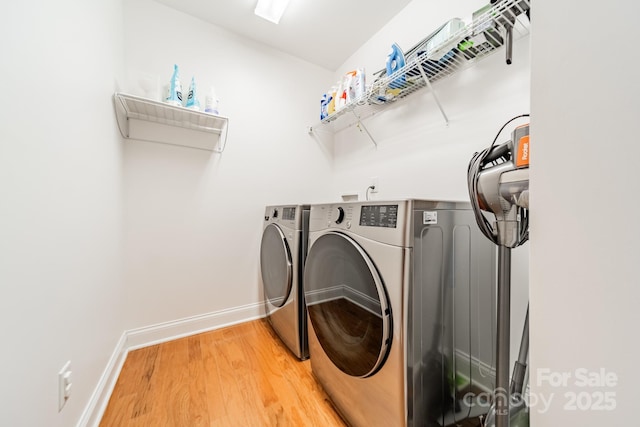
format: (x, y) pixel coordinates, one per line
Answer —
(343, 95)
(359, 86)
(445, 39)
(349, 89)
(339, 97)
(486, 35)
(331, 107)
(174, 95)
(192, 98)
(211, 102)
(355, 84)
(349, 92)
(324, 106)
(395, 61)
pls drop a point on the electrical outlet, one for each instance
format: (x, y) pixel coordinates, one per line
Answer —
(375, 183)
(64, 385)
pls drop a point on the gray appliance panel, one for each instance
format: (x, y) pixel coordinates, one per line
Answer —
(451, 317)
(439, 272)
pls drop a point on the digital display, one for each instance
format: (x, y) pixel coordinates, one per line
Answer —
(379, 216)
(289, 213)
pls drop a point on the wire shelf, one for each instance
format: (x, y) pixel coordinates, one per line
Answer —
(463, 48)
(138, 108)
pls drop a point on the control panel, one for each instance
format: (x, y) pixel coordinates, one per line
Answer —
(283, 215)
(382, 216)
(379, 216)
(289, 214)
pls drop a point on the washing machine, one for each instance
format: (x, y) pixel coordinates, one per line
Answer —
(401, 305)
(283, 251)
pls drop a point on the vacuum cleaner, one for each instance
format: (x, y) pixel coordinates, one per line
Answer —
(498, 181)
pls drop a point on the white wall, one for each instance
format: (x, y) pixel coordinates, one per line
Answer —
(417, 154)
(584, 182)
(60, 210)
(194, 218)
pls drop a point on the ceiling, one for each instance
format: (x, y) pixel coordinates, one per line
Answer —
(324, 32)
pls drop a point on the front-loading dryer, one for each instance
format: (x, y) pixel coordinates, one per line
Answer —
(399, 295)
(283, 250)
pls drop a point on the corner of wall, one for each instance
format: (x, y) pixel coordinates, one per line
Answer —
(134, 339)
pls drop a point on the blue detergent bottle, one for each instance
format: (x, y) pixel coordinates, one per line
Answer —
(395, 61)
(174, 95)
(324, 106)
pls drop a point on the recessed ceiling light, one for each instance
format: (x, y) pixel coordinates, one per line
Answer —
(271, 10)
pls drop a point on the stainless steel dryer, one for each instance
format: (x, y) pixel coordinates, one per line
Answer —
(283, 251)
(400, 300)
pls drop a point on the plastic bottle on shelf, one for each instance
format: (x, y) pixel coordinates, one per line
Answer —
(174, 95)
(331, 108)
(192, 98)
(324, 106)
(349, 83)
(339, 100)
(211, 102)
(359, 83)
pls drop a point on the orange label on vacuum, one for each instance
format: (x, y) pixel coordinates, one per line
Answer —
(523, 152)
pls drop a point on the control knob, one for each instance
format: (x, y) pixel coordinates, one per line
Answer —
(275, 213)
(337, 215)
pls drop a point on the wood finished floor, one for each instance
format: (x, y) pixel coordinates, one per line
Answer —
(236, 376)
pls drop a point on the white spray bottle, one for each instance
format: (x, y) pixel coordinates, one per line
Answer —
(211, 102)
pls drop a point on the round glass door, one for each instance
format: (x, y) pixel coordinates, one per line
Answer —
(275, 265)
(347, 305)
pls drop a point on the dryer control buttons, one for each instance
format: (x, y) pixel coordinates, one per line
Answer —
(337, 215)
(275, 213)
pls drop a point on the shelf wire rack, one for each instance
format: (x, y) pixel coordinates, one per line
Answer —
(484, 35)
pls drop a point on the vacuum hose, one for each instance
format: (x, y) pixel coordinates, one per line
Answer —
(486, 159)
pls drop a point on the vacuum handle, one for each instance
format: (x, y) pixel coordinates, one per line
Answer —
(497, 152)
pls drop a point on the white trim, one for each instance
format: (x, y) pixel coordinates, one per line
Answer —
(167, 331)
(100, 397)
(154, 334)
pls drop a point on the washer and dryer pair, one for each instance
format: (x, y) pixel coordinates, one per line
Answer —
(400, 299)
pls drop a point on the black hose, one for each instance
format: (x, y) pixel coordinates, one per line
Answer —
(478, 162)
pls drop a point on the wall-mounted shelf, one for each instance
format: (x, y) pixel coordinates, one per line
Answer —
(130, 108)
(426, 64)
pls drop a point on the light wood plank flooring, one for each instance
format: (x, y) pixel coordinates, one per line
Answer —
(237, 376)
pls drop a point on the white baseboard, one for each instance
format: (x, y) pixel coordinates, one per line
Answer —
(150, 335)
(167, 331)
(100, 398)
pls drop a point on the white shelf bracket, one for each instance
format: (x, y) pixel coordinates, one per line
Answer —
(362, 127)
(433, 92)
(222, 141)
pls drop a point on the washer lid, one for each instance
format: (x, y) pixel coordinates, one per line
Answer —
(276, 265)
(347, 304)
